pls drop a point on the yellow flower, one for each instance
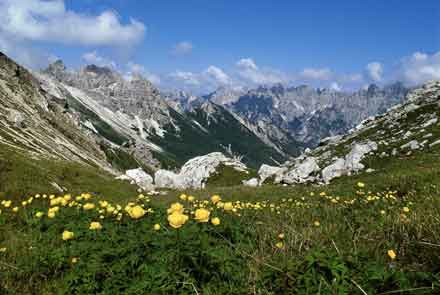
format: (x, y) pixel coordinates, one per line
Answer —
(89, 206)
(7, 204)
(15, 209)
(95, 226)
(136, 212)
(156, 226)
(361, 184)
(183, 197)
(191, 198)
(228, 206)
(405, 209)
(74, 260)
(316, 223)
(176, 219)
(39, 214)
(176, 207)
(281, 236)
(51, 214)
(215, 199)
(202, 215)
(279, 245)
(67, 235)
(382, 212)
(215, 221)
(2, 249)
(392, 254)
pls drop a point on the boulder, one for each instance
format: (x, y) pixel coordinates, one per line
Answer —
(16, 119)
(168, 179)
(336, 169)
(354, 157)
(413, 145)
(196, 171)
(253, 182)
(301, 171)
(267, 171)
(139, 177)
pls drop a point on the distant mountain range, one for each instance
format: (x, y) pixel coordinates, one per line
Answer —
(102, 117)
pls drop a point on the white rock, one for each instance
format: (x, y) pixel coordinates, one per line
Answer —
(253, 182)
(434, 143)
(196, 171)
(430, 122)
(354, 157)
(167, 179)
(139, 177)
(336, 169)
(16, 118)
(267, 171)
(301, 172)
(413, 145)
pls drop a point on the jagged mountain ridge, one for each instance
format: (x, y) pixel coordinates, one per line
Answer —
(134, 114)
(309, 114)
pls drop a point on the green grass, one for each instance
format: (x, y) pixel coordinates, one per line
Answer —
(347, 252)
(20, 176)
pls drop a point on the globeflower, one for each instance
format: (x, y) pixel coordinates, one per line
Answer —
(156, 227)
(15, 209)
(39, 214)
(316, 223)
(215, 199)
(67, 235)
(361, 184)
(175, 207)
(176, 219)
(183, 197)
(279, 245)
(215, 221)
(392, 254)
(228, 206)
(95, 226)
(136, 212)
(281, 236)
(191, 198)
(405, 209)
(89, 206)
(202, 215)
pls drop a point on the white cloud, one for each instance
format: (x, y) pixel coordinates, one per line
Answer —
(335, 86)
(217, 75)
(182, 48)
(38, 20)
(94, 58)
(251, 73)
(374, 71)
(316, 74)
(247, 64)
(419, 68)
(137, 69)
(187, 78)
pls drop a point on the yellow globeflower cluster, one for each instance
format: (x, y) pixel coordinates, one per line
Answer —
(67, 235)
(95, 226)
(176, 219)
(202, 215)
(136, 212)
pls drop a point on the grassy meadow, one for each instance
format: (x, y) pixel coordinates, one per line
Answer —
(373, 233)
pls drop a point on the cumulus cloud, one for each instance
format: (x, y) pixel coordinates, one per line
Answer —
(182, 48)
(251, 73)
(374, 71)
(335, 86)
(187, 78)
(94, 58)
(134, 69)
(217, 75)
(316, 74)
(38, 20)
(418, 68)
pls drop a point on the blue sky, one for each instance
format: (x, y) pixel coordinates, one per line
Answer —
(199, 45)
